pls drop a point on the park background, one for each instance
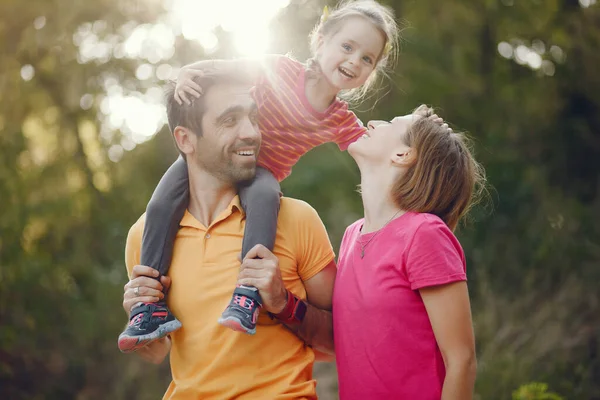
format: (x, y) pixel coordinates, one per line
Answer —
(83, 143)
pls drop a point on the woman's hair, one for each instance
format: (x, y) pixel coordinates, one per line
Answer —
(381, 17)
(444, 178)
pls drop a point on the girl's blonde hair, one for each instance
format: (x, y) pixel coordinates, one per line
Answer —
(381, 17)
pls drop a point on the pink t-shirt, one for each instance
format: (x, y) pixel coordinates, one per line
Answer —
(384, 343)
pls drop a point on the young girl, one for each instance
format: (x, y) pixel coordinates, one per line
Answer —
(299, 109)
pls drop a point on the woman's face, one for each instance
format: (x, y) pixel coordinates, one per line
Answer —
(384, 141)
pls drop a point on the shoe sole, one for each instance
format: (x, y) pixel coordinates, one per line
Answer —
(128, 344)
(236, 325)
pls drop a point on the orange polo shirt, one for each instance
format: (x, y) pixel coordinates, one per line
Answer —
(209, 361)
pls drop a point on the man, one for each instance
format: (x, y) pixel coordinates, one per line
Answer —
(209, 361)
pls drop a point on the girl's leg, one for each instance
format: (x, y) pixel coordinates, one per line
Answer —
(151, 321)
(260, 201)
(163, 215)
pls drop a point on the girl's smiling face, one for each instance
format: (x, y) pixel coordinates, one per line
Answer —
(348, 56)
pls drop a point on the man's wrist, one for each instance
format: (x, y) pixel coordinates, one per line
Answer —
(293, 312)
(313, 325)
(286, 308)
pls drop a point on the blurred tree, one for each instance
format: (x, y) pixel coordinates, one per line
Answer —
(63, 218)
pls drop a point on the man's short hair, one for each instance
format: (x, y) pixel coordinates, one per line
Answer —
(187, 116)
(190, 116)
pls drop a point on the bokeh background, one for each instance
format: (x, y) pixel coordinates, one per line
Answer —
(83, 143)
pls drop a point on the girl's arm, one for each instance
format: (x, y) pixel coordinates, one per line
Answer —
(449, 312)
(247, 69)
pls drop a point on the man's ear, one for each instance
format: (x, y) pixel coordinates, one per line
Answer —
(185, 139)
(404, 157)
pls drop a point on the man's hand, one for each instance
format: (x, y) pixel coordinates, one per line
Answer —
(156, 351)
(260, 269)
(143, 287)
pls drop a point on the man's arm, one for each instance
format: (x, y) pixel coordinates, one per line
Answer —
(316, 328)
(143, 287)
(260, 269)
(148, 290)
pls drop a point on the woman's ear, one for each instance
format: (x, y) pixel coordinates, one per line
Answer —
(404, 158)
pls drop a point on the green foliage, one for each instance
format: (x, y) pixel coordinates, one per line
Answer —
(534, 391)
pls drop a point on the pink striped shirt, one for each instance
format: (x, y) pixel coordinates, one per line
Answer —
(290, 126)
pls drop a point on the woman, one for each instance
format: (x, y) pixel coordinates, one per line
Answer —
(402, 320)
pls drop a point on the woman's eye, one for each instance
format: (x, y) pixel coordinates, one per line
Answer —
(229, 121)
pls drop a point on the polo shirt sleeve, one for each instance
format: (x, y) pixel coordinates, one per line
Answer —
(312, 246)
(133, 245)
(435, 256)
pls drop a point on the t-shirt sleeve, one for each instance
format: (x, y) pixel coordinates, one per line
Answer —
(435, 256)
(133, 245)
(350, 129)
(274, 65)
(313, 248)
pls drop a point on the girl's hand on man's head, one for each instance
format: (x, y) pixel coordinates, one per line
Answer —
(186, 87)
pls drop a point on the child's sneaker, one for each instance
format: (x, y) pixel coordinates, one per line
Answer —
(147, 322)
(242, 312)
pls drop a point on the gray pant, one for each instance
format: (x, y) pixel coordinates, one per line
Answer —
(259, 198)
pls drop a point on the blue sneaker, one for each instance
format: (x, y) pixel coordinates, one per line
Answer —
(242, 312)
(148, 322)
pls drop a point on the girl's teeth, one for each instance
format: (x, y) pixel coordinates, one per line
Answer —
(347, 73)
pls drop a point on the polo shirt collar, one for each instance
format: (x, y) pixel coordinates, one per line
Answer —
(234, 205)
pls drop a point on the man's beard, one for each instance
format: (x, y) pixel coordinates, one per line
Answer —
(228, 171)
(237, 174)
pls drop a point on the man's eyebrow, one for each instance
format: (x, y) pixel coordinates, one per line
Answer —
(236, 110)
(230, 110)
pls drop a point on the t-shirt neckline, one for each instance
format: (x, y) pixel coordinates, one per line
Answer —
(362, 237)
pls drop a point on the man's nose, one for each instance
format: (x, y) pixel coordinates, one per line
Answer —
(248, 130)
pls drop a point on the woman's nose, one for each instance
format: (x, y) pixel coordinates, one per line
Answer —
(373, 124)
